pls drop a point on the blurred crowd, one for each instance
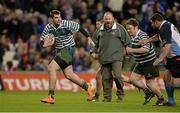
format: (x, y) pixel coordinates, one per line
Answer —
(22, 22)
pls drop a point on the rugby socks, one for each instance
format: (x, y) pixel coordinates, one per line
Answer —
(85, 86)
(51, 93)
(170, 93)
(146, 90)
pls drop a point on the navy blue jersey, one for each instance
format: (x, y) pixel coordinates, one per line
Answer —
(170, 35)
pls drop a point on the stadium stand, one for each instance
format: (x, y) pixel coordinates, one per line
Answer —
(22, 22)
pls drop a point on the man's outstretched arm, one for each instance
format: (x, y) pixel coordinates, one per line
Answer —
(154, 38)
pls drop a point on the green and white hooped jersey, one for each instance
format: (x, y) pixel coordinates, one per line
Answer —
(63, 34)
(143, 57)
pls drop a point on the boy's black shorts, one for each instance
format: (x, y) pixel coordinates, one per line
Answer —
(146, 69)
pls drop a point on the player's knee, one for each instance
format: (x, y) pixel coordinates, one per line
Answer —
(167, 80)
(131, 80)
(148, 83)
(167, 77)
(68, 75)
(176, 83)
(98, 77)
(51, 68)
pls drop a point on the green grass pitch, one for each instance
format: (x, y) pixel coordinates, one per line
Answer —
(76, 102)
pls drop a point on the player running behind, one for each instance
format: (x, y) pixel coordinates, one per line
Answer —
(144, 56)
(169, 36)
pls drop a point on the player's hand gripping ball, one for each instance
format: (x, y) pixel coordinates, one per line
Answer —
(49, 40)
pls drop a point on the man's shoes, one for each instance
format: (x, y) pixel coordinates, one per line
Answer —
(95, 98)
(119, 100)
(161, 102)
(148, 96)
(169, 104)
(89, 92)
(107, 100)
(48, 100)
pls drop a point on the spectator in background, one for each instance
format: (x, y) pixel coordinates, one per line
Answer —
(92, 10)
(33, 43)
(100, 11)
(54, 4)
(178, 20)
(38, 63)
(8, 50)
(79, 63)
(25, 64)
(116, 8)
(16, 15)
(9, 68)
(131, 9)
(27, 31)
(146, 12)
(1, 53)
(21, 48)
(40, 25)
(23, 57)
(14, 27)
(40, 6)
(67, 9)
(83, 14)
(76, 6)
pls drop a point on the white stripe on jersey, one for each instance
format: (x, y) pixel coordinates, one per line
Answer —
(175, 45)
(143, 57)
(63, 34)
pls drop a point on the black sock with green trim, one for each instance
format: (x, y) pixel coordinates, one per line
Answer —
(85, 86)
(51, 93)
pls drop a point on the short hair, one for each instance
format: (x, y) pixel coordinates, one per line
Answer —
(54, 12)
(133, 22)
(157, 17)
(108, 12)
